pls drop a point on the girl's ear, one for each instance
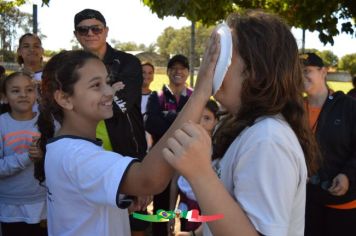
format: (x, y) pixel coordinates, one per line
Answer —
(3, 100)
(63, 100)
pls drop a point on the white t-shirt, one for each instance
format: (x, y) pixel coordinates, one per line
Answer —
(265, 172)
(37, 76)
(144, 100)
(185, 187)
(83, 180)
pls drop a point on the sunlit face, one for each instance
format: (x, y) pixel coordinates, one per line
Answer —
(93, 41)
(148, 74)
(93, 96)
(208, 121)
(314, 79)
(30, 50)
(20, 94)
(229, 94)
(178, 74)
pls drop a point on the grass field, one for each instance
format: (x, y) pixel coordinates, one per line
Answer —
(161, 79)
(340, 86)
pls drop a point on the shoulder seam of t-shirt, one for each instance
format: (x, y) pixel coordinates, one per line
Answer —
(97, 142)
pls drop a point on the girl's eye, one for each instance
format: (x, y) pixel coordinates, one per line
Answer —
(30, 89)
(14, 91)
(96, 85)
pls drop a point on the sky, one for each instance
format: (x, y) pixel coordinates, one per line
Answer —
(131, 21)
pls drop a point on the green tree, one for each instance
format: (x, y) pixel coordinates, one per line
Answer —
(74, 43)
(49, 53)
(11, 20)
(348, 63)
(7, 56)
(132, 46)
(310, 50)
(329, 58)
(320, 16)
(151, 47)
(8, 5)
(164, 41)
(176, 41)
(127, 46)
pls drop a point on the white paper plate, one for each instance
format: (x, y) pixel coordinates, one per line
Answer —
(224, 59)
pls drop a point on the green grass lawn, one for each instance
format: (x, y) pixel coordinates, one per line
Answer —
(340, 86)
(161, 79)
(158, 82)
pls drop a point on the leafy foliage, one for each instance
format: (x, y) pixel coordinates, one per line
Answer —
(321, 16)
(132, 46)
(11, 20)
(348, 63)
(208, 12)
(8, 56)
(329, 58)
(8, 5)
(314, 15)
(176, 41)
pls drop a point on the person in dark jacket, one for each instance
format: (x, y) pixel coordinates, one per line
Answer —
(123, 133)
(352, 91)
(331, 193)
(162, 109)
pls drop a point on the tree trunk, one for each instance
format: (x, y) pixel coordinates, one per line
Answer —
(192, 54)
(303, 40)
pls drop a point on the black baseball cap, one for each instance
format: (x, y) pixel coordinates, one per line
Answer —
(311, 59)
(88, 14)
(181, 59)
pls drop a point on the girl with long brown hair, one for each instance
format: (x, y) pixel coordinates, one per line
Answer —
(265, 145)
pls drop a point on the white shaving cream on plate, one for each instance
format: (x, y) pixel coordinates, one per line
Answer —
(224, 59)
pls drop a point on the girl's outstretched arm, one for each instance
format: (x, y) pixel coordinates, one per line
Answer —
(153, 173)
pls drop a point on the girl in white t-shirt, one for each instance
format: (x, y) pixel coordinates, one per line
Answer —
(88, 186)
(265, 144)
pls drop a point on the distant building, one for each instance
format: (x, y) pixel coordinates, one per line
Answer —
(340, 76)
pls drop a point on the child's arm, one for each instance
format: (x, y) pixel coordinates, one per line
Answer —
(211, 194)
(12, 164)
(235, 221)
(153, 174)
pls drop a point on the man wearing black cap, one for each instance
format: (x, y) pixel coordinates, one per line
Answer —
(162, 109)
(331, 193)
(124, 132)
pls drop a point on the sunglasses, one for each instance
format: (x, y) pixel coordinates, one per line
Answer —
(84, 30)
